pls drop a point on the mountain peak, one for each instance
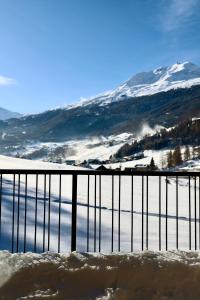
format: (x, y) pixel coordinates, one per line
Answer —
(162, 79)
(176, 72)
(185, 67)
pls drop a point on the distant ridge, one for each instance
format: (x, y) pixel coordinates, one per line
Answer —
(6, 114)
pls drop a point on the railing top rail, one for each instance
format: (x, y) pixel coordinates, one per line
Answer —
(97, 172)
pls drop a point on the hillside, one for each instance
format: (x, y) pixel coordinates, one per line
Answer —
(185, 133)
(165, 96)
(166, 108)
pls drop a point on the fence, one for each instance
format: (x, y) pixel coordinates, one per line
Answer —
(83, 210)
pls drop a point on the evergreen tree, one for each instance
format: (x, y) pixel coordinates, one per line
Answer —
(170, 159)
(152, 165)
(187, 153)
(177, 157)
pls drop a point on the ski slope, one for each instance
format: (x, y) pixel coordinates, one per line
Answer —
(48, 209)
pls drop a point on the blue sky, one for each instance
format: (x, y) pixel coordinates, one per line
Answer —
(54, 52)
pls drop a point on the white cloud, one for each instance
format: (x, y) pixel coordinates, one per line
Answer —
(6, 80)
(177, 13)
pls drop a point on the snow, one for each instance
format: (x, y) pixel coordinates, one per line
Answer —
(148, 275)
(104, 275)
(8, 162)
(89, 148)
(179, 75)
(158, 156)
(3, 135)
(195, 119)
(160, 159)
(191, 165)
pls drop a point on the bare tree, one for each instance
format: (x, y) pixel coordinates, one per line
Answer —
(163, 162)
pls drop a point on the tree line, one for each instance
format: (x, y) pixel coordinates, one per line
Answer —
(177, 157)
(186, 133)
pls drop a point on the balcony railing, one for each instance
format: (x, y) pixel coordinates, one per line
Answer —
(98, 211)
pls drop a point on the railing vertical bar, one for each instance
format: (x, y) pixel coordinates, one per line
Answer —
(99, 213)
(199, 212)
(95, 211)
(44, 212)
(160, 245)
(112, 233)
(132, 213)
(190, 235)
(0, 205)
(74, 212)
(25, 213)
(59, 212)
(195, 212)
(142, 212)
(18, 212)
(147, 213)
(88, 212)
(49, 214)
(177, 212)
(166, 216)
(36, 204)
(119, 214)
(13, 216)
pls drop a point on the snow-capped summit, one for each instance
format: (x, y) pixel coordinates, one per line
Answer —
(179, 75)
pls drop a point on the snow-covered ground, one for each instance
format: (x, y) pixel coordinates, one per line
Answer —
(40, 232)
(159, 157)
(101, 147)
(191, 165)
(94, 148)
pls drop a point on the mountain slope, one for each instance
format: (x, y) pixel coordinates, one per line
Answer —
(185, 133)
(6, 114)
(108, 116)
(179, 75)
(165, 109)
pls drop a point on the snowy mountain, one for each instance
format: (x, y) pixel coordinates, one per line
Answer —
(6, 114)
(179, 75)
(164, 97)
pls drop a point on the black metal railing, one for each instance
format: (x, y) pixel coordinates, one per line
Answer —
(84, 210)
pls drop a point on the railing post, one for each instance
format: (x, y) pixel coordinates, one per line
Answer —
(74, 212)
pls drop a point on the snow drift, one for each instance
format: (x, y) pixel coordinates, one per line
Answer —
(148, 275)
